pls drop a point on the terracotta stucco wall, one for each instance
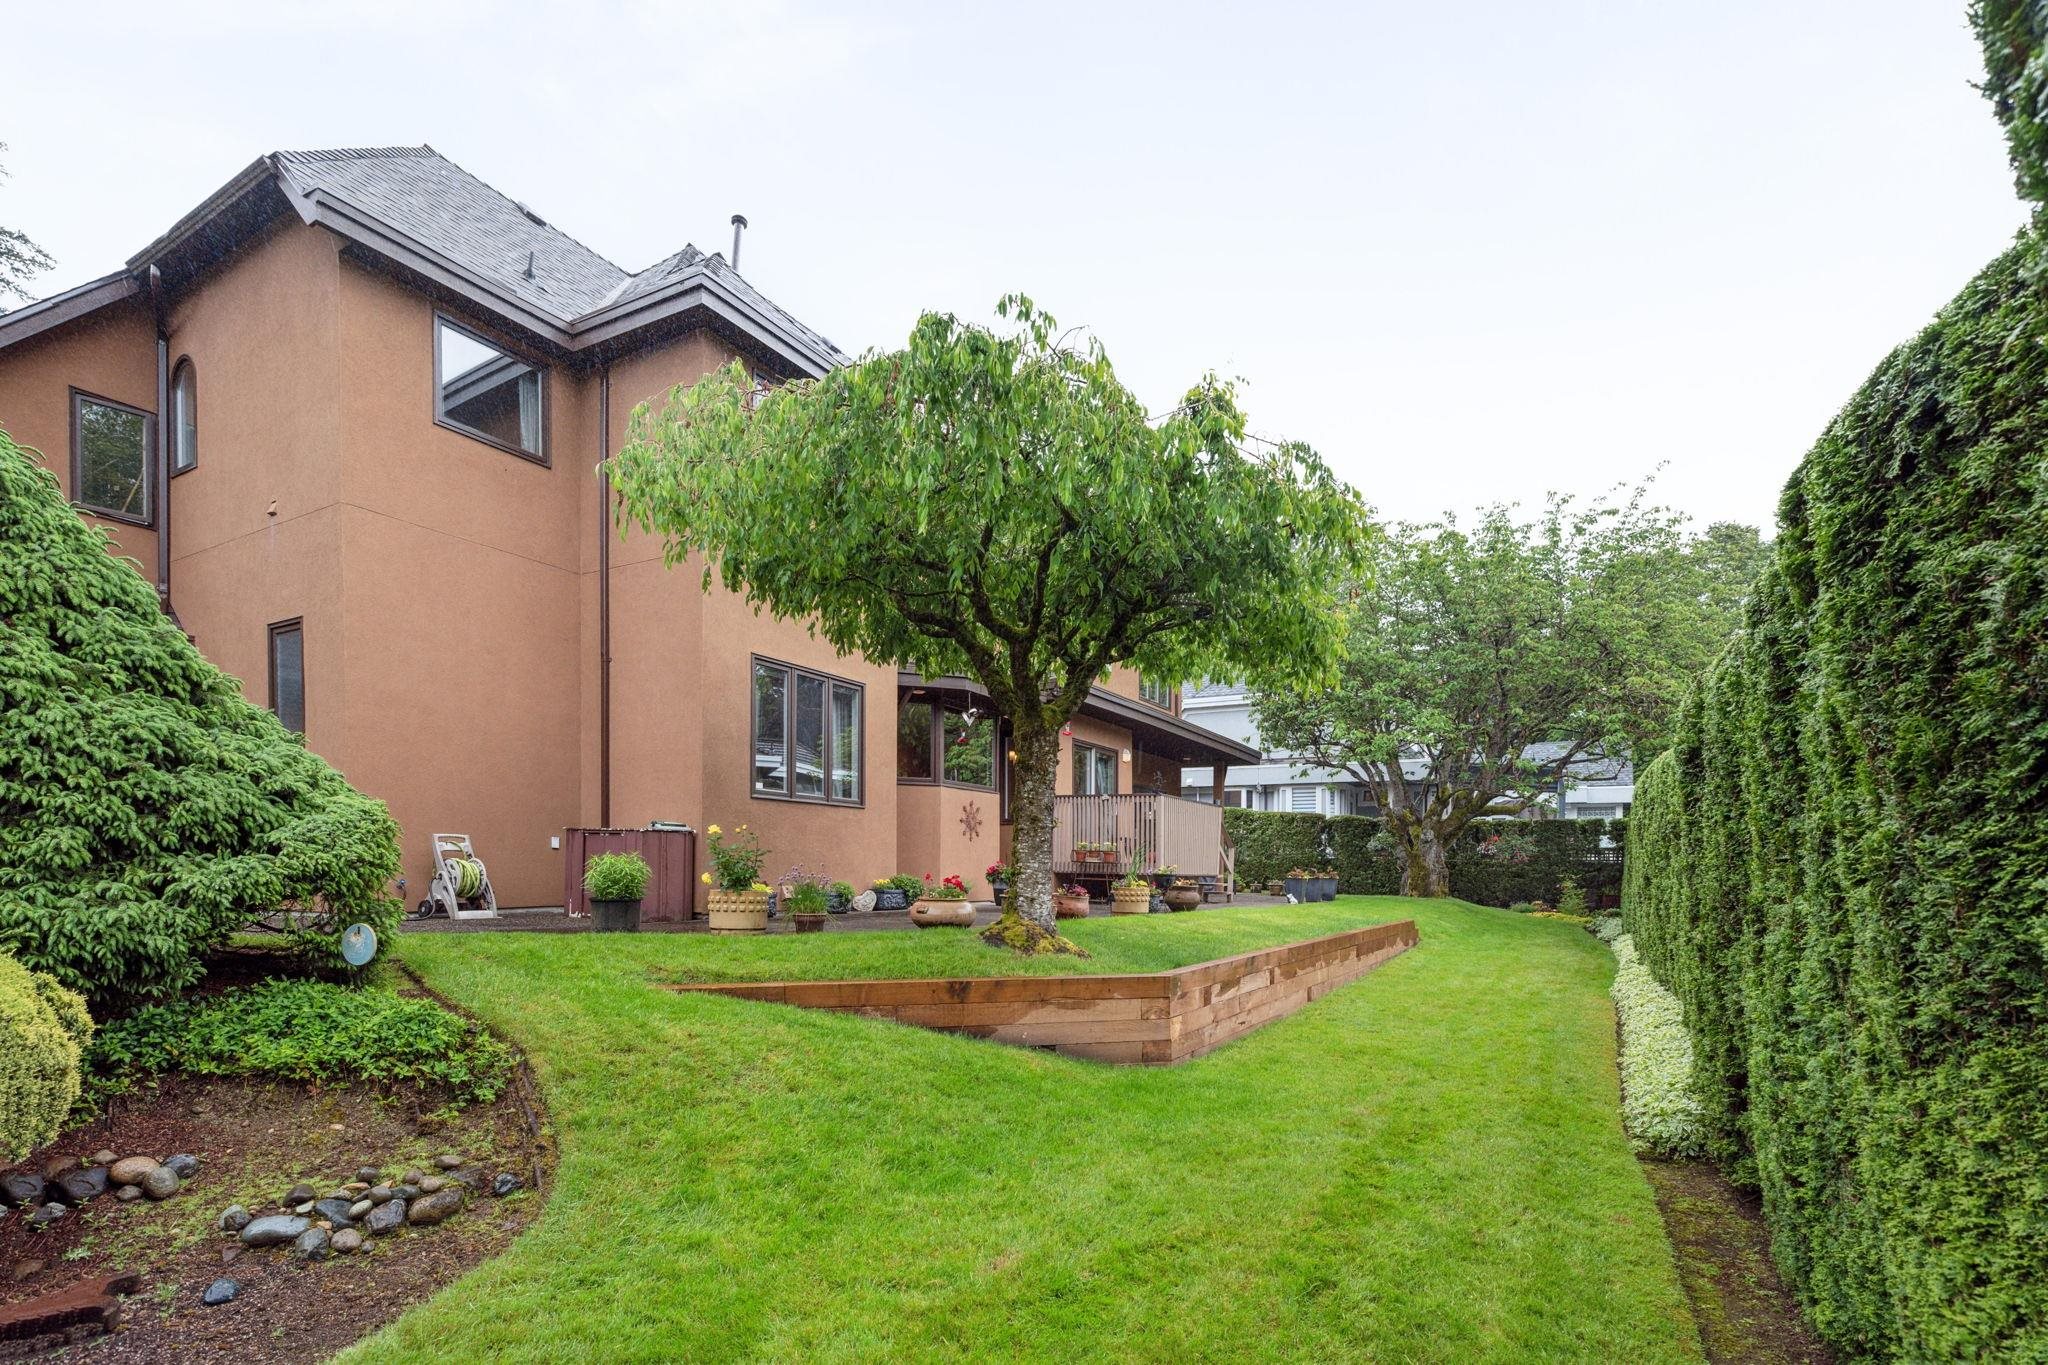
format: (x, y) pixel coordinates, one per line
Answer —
(112, 354)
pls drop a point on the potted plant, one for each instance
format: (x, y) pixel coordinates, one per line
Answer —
(1184, 894)
(1000, 875)
(1296, 884)
(615, 882)
(807, 903)
(839, 898)
(739, 899)
(1070, 901)
(897, 892)
(1326, 884)
(1131, 894)
(942, 902)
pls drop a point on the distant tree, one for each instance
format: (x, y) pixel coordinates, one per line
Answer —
(1000, 506)
(20, 258)
(1465, 647)
(1728, 556)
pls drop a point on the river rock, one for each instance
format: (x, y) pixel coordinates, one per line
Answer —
(104, 1157)
(413, 1177)
(358, 1210)
(160, 1183)
(434, 1208)
(128, 1194)
(448, 1161)
(56, 1165)
(301, 1193)
(184, 1163)
(25, 1269)
(378, 1194)
(388, 1216)
(272, 1230)
(84, 1185)
(23, 1189)
(312, 1245)
(129, 1170)
(472, 1176)
(347, 1240)
(369, 1175)
(220, 1292)
(505, 1184)
(335, 1211)
(407, 1191)
(433, 1184)
(46, 1215)
(233, 1218)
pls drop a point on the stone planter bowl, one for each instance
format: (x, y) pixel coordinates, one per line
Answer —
(1184, 898)
(932, 914)
(891, 898)
(808, 924)
(739, 912)
(615, 917)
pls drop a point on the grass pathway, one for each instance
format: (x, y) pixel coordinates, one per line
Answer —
(1426, 1164)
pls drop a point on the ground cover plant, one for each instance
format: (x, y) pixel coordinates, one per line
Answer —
(307, 1031)
(43, 1027)
(146, 809)
(1422, 1165)
(1839, 867)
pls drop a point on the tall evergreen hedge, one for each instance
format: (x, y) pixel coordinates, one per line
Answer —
(1269, 843)
(1841, 867)
(147, 810)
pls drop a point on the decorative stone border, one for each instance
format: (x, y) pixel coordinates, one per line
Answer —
(1153, 1019)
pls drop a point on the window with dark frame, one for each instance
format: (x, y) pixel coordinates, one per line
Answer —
(1094, 770)
(1158, 693)
(184, 416)
(110, 445)
(945, 742)
(807, 739)
(288, 674)
(484, 391)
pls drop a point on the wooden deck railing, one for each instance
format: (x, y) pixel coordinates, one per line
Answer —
(1159, 831)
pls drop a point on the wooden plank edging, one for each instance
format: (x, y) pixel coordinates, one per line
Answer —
(1150, 1018)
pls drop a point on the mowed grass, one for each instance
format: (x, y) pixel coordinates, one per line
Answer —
(1426, 1164)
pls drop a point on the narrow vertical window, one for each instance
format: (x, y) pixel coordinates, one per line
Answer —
(288, 674)
(914, 742)
(771, 713)
(184, 417)
(970, 749)
(846, 740)
(809, 747)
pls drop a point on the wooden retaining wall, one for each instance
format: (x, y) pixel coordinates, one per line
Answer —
(1155, 1019)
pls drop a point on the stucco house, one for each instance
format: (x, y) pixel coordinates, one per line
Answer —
(1595, 788)
(347, 414)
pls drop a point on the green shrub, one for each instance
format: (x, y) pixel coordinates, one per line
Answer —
(1489, 865)
(306, 1031)
(615, 877)
(1841, 867)
(1570, 899)
(1658, 1105)
(1271, 842)
(43, 1027)
(146, 809)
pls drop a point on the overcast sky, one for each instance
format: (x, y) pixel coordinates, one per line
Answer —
(1469, 256)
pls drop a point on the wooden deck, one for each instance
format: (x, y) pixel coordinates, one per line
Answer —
(1153, 1019)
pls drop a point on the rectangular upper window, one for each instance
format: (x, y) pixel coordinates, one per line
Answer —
(110, 445)
(481, 390)
(1158, 693)
(807, 735)
(1094, 770)
(288, 674)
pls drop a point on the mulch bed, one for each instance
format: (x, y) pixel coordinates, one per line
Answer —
(254, 1141)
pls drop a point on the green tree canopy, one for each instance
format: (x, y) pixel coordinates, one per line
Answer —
(1465, 647)
(997, 505)
(147, 811)
(20, 258)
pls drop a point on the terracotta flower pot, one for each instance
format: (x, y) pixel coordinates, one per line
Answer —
(929, 914)
(1130, 900)
(1070, 907)
(739, 912)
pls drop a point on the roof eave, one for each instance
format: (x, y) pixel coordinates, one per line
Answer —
(257, 172)
(34, 319)
(1104, 704)
(700, 290)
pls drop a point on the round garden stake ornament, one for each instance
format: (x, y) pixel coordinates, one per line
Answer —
(358, 944)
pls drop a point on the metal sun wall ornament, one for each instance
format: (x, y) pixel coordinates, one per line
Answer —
(970, 820)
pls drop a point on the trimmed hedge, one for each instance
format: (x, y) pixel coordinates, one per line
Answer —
(1841, 867)
(1271, 842)
(43, 1029)
(146, 809)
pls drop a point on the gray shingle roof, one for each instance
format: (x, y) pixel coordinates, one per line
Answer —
(499, 240)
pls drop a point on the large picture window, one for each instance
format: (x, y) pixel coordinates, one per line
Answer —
(807, 735)
(484, 391)
(110, 444)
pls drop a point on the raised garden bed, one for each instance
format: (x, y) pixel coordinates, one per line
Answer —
(1154, 1018)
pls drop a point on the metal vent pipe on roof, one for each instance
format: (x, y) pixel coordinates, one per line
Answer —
(739, 225)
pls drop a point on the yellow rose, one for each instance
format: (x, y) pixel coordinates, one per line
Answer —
(706, 879)
(713, 829)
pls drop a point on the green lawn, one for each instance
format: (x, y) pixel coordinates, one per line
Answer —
(1424, 1165)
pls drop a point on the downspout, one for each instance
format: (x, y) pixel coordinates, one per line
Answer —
(604, 598)
(163, 445)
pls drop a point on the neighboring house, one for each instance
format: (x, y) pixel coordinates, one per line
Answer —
(1595, 789)
(346, 413)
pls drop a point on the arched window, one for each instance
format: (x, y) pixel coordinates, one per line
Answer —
(184, 417)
